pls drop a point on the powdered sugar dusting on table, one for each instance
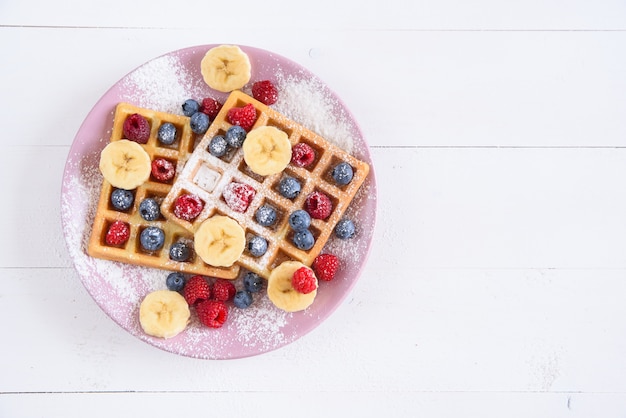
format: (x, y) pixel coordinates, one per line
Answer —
(163, 84)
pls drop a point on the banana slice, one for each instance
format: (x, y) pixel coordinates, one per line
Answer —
(125, 164)
(220, 241)
(281, 292)
(164, 313)
(226, 68)
(267, 150)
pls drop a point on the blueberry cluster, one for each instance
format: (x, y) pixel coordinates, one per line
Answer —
(233, 138)
(198, 120)
(252, 283)
(300, 221)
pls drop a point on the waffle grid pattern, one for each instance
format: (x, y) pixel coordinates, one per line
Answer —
(206, 176)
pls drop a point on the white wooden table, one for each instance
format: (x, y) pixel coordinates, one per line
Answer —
(496, 282)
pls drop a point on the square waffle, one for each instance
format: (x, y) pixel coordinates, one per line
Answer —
(132, 252)
(206, 176)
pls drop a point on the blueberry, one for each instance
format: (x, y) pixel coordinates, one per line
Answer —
(167, 133)
(345, 229)
(304, 239)
(218, 146)
(343, 173)
(242, 299)
(265, 215)
(257, 246)
(122, 199)
(235, 135)
(190, 107)
(152, 238)
(180, 251)
(299, 220)
(253, 282)
(175, 281)
(199, 123)
(149, 209)
(289, 187)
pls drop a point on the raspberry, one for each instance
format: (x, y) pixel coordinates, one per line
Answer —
(188, 207)
(303, 280)
(223, 290)
(163, 170)
(136, 128)
(210, 107)
(196, 290)
(302, 155)
(318, 205)
(212, 313)
(118, 233)
(265, 92)
(242, 116)
(325, 266)
(238, 196)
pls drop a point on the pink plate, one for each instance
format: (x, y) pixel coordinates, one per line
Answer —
(163, 84)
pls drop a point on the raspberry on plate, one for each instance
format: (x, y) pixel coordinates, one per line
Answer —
(302, 155)
(212, 313)
(265, 92)
(303, 280)
(210, 107)
(325, 266)
(242, 116)
(196, 290)
(136, 128)
(188, 207)
(223, 290)
(318, 205)
(238, 196)
(118, 233)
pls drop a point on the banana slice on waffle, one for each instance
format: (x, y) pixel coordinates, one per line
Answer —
(220, 241)
(125, 164)
(267, 150)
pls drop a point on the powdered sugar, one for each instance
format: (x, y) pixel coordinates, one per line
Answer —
(308, 102)
(163, 84)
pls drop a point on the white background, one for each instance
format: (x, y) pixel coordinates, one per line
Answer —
(496, 282)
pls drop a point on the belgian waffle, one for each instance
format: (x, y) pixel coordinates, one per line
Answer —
(132, 252)
(203, 168)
